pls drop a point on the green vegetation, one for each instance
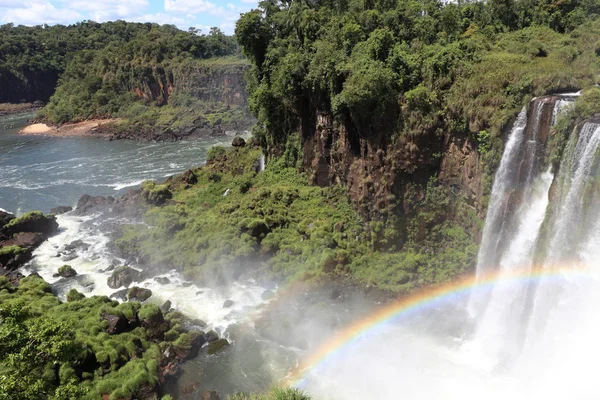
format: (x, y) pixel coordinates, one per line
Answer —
(154, 79)
(32, 215)
(50, 349)
(12, 251)
(275, 394)
(233, 218)
(412, 68)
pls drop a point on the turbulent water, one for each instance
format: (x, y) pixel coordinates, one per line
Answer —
(535, 337)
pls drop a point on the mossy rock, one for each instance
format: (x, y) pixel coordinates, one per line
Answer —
(34, 221)
(154, 194)
(66, 271)
(123, 276)
(217, 345)
(139, 294)
(74, 295)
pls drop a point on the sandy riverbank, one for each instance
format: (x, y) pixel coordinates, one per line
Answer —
(71, 129)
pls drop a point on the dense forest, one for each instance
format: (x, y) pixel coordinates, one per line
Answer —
(148, 75)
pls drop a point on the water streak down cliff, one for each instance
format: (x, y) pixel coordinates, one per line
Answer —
(538, 219)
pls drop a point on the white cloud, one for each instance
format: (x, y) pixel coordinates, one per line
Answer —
(38, 12)
(253, 2)
(193, 6)
(109, 10)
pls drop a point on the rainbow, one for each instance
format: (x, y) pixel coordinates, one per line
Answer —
(419, 301)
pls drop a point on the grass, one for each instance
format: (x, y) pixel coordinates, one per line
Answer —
(234, 219)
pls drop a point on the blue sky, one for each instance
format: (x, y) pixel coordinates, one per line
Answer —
(201, 14)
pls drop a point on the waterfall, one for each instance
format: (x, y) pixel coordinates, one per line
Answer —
(534, 220)
(261, 163)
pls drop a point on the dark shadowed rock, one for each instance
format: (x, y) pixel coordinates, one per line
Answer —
(139, 294)
(32, 222)
(152, 319)
(190, 177)
(198, 322)
(211, 336)
(25, 239)
(123, 276)
(13, 257)
(61, 210)
(217, 345)
(120, 294)
(166, 307)
(163, 280)
(238, 142)
(75, 245)
(5, 218)
(88, 203)
(116, 324)
(228, 303)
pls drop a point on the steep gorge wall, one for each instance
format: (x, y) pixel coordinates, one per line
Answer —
(33, 86)
(389, 175)
(211, 82)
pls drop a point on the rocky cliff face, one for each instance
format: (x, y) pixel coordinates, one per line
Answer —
(210, 82)
(388, 175)
(34, 86)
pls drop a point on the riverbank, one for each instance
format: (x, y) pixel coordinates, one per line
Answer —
(84, 128)
(12, 108)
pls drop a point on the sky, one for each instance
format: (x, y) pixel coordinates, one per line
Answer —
(201, 14)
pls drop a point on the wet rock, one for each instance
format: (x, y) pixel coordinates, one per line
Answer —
(154, 194)
(238, 142)
(32, 222)
(166, 307)
(66, 271)
(199, 323)
(61, 210)
(25, 239)
(211, 395)
(116, 324)
(211, 336)
(5, 218)
(74, 295)
(123, 277)
(186, 284)
(13, 257)
(199, 292)
(163, 280)
(139, 294)
(120, 295)
(87, 203)
(69, 257)
(76, 244)
(217, 345)
(228, 303)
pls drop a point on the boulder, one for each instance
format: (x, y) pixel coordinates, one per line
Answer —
(151, 318)
(76, 244)
(217, 345)
(61, 210)
(13, 257)
(34, 221)
(190, 177)
(123, 277)
(25, 239)
(5, 218)
(139, 294)
(66, 271)
(74, 295)
(120, 294)
(154, 194)
(116, 324)
(199, 323)
(87, 203)
(211, 336)
(238, 142)
(228, 303)
(163, 280)
(166, 307)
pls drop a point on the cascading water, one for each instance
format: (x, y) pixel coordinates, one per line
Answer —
(532, 337)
